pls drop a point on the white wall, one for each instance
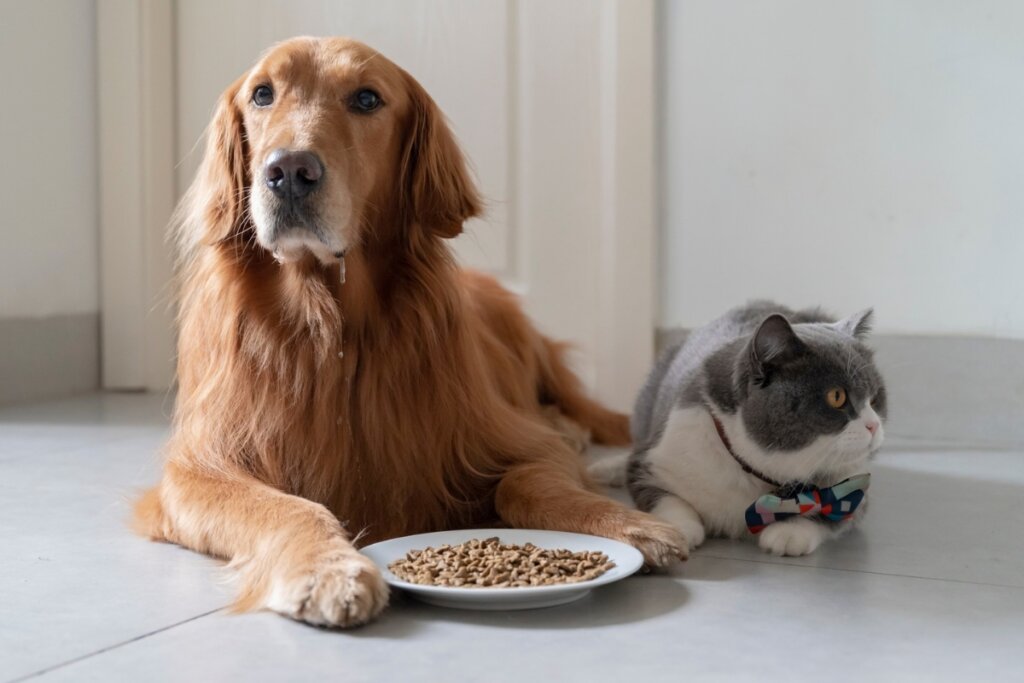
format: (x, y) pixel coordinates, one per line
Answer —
(48, 221)
(847, 154)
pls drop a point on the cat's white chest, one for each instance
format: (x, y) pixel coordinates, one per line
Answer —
(691, 462)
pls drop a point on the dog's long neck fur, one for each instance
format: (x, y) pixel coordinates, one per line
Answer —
(315, 378)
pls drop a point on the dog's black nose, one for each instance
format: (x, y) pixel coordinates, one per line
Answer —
(293, 174)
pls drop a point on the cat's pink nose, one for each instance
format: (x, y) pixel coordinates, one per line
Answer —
(872, 425)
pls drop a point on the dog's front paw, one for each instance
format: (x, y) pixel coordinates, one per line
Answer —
(793, 537)
(340, 588)
(658, 541)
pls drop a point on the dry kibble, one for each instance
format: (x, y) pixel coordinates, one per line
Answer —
(490, 564)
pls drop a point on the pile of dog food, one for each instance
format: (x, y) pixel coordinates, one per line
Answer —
(488, 563)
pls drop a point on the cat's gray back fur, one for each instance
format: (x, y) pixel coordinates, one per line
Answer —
(674, 382)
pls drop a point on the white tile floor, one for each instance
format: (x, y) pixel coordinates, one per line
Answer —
(932, 587)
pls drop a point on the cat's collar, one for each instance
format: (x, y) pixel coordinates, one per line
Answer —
(720, 428)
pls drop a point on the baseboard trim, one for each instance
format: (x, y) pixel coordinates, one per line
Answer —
(945, 389)
(48, 357)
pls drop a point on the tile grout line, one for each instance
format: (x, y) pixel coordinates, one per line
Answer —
(862, 571)
(75, 660)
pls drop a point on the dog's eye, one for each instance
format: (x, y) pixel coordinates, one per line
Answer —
(365, 100)
(262, 96)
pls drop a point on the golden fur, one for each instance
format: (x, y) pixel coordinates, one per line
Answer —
(413, 397)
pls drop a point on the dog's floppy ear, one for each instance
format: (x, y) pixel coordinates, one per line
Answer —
(214, 206)
(439, 193)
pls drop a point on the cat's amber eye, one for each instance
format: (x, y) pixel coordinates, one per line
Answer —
(836, 397)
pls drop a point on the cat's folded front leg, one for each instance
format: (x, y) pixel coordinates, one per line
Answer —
(682, 516)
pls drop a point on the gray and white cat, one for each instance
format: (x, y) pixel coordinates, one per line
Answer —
(796, 397)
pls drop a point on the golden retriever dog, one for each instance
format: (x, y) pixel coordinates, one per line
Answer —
(340, 379)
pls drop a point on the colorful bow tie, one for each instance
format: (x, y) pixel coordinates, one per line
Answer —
(835, 503)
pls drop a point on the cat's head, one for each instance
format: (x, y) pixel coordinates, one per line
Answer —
(812, 390)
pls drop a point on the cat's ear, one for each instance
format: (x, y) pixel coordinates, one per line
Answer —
(857, 325)
(773, 344)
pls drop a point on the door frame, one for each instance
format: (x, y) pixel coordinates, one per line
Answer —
(137, 193)
(628, 302)
(135, 62)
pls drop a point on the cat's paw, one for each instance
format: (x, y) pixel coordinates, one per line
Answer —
(693, 532)
(340, 588)
(793, 537)
(683, 517)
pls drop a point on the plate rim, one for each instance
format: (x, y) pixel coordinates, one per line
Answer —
(611, 576)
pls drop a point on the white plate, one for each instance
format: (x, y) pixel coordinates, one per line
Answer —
(627, 560)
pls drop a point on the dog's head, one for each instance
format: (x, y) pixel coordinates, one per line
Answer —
(321, 144)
